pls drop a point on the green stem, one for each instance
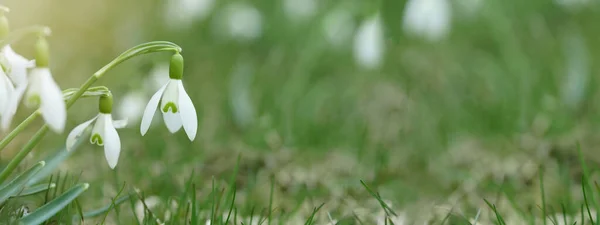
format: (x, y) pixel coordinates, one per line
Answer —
(141, 49)
(21, 155)
(18, 130)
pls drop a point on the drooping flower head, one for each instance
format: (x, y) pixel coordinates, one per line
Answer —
(174, 103)
(103, 133)
(40, 90)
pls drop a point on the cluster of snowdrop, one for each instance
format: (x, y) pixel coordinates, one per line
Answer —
(31, 82)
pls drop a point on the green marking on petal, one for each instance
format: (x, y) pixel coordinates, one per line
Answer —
(34, 100)
(97, 139)
(170, 105)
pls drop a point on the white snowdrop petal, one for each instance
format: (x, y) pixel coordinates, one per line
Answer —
(17, 65)
(77, 132)
(173, 121)
(112, 145)
(118, 124)
(170, 98)
(52, 105)
(151, 109)
(12, 106)
(188, 113)
(6, 91)
(98, 137)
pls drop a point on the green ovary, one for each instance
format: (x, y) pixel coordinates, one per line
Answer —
(97, 139)
(171, 105)
(34, 100)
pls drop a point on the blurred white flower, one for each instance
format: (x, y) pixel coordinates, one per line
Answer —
(369, 43)
(338, 27)
(240, 21)
(42, 90)
(104, 133)
(577, 74)
(182, 13)
(16, 65)
(430, 19)
(176, 107)
(299, 10)
(240, 92)
(150, 202)
(132, 106)
(157, 77)
(7, 89)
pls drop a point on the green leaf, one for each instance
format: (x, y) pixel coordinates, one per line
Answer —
(53, 207)
(35, 189)
(17, 184)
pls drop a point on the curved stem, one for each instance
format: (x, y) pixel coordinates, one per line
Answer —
(141, 49)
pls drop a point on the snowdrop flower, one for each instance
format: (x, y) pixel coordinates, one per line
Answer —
(369, 43)
(40, 90)
(175, 104)
(427, 18)
(16, 65)
(104, 132)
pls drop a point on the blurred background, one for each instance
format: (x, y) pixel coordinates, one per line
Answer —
(435, 103)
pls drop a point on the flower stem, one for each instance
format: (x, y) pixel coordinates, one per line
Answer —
(18, 130)
(15, 161)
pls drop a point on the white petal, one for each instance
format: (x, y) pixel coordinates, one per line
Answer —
(369, 43)
(170, 98)
(17, 65)
(13, 104)
(76, 133)
(112, 146)
(188, 113)
(427, 18)
(118, 124)
(52, 102)
(6, 91)
(151, 109)
(98, 137)
(173, 121)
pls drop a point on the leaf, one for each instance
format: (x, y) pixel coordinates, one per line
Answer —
(17, 184)
(35, 189)
(53, 207)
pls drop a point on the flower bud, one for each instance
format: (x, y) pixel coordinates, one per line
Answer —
(176, 67)
(42, 52)
(105, 104)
